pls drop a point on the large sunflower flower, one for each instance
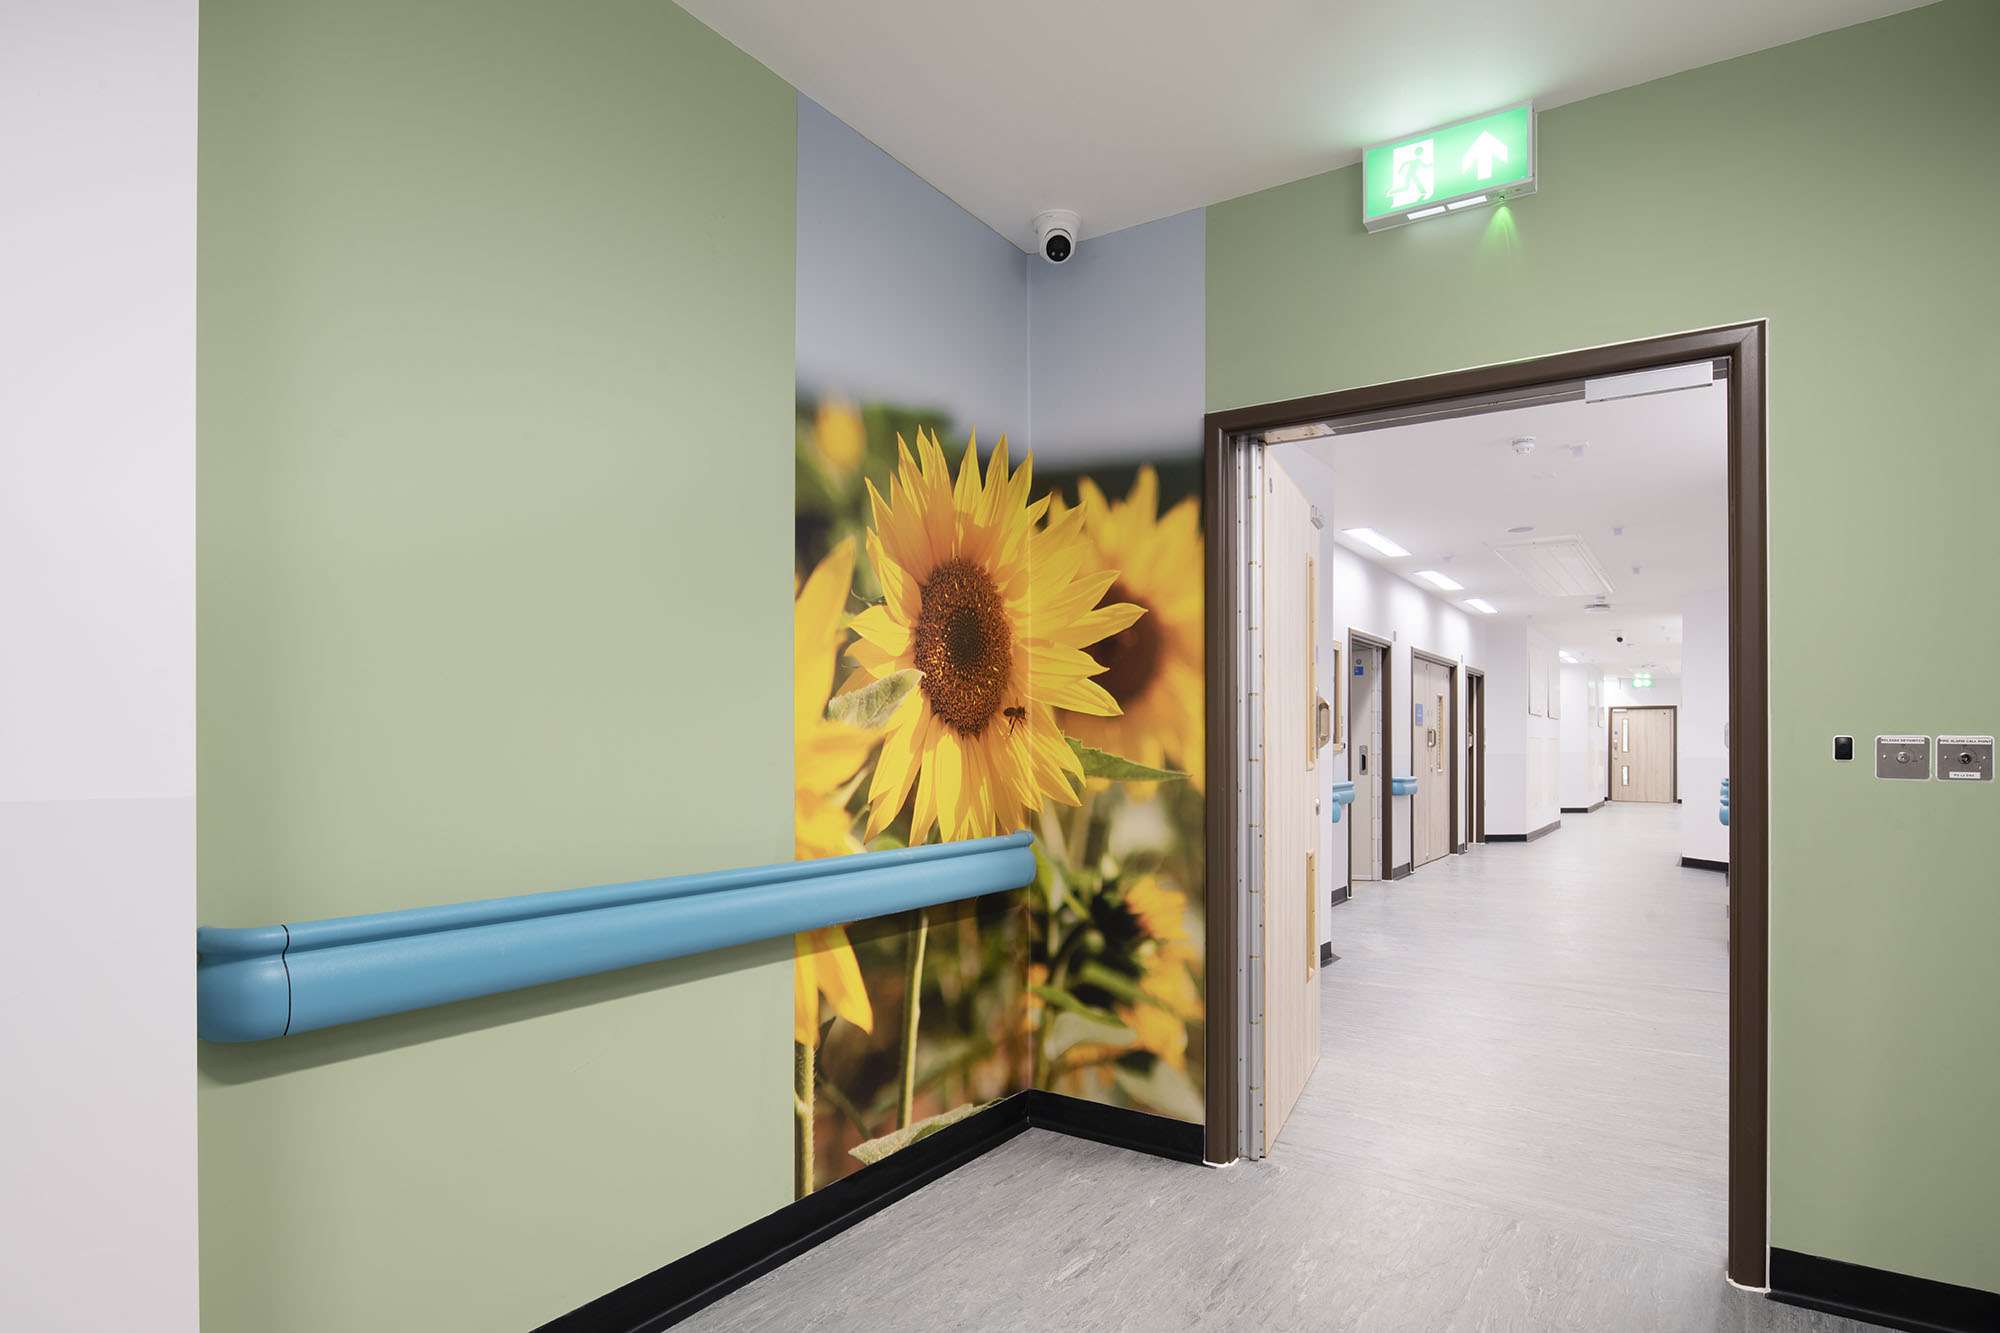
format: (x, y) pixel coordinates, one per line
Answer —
(1153, 668)
(994, 611)
(826, 755)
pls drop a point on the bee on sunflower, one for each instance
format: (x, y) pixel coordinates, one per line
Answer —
(991, 610)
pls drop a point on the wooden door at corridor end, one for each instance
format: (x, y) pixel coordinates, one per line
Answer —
(1291, 827)
(1642, 754)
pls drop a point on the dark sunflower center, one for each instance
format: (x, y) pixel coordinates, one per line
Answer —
(963, 646)
(1131, 657)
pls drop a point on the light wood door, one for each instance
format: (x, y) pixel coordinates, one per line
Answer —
(1430, 750)
(1642, 754)
(1291, 826)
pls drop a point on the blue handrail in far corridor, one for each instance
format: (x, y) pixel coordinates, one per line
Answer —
(257, 982)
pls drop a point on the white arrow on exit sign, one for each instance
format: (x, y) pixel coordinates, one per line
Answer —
(1485, 151)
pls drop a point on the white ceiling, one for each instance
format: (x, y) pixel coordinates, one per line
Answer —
(1448, 491)
(1129, 110)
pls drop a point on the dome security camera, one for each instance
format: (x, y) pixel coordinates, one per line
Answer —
(1057, 231)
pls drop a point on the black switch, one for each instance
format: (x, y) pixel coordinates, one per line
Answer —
(1843, 748)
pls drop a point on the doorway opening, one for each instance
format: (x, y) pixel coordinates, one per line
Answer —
(1503, 757)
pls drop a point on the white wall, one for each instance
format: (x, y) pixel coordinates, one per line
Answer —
(1362, 596)
(1523, 749)
(97, 212)
(1583, 738)
(1665, 690)
(1704, 716)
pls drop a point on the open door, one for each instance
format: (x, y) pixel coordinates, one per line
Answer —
(1290, 819)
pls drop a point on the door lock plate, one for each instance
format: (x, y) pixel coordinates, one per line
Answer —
(1903, 757)
(1965, 758)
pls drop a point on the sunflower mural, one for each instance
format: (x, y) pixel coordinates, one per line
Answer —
(976, 651)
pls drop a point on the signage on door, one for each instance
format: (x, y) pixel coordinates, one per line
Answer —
(1420, 715)
(1479, 161)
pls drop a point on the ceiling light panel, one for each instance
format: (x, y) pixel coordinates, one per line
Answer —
(1482, 606)
(1444, 582)
(1557, 566)
(1376, 541)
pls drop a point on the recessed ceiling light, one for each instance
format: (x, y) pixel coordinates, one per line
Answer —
(1566, 655)
(1371, 538)
(1525, 527)
(1481, 605)
(1443, 581)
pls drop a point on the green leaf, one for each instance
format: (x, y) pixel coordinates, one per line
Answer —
(1062, 999)
(1070, 1030)
(1098, 764)
(871, 706)
(1126, 989)
(876, 1149)
(1164, 1091)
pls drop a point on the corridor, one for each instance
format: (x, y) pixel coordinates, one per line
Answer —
(1518, 1123)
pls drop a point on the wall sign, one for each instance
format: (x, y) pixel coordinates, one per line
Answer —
(1453, 167)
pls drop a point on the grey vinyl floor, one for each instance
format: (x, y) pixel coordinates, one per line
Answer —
(1518, 1122)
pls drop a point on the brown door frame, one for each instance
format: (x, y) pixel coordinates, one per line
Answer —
(1451, 846)
(1475, 781)
(1385, 759)
(1611, 745)
(1743, 347)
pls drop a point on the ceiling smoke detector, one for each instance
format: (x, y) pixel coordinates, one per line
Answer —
(1522, 445)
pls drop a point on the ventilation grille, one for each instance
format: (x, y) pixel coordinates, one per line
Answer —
(1557, 566)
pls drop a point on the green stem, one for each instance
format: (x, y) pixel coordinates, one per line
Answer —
(912, 1005)
(802, 1117)
(848, 1110)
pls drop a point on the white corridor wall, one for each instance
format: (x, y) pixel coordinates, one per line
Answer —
(97, 466)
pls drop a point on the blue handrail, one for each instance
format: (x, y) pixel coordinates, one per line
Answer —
(258, 982)
(1403, 786)
(1343, 794)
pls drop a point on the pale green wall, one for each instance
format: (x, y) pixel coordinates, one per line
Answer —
(495, 577)
(1847, 188)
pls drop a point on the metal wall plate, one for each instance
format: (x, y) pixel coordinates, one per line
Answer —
(1902, 756)
(1965, 758)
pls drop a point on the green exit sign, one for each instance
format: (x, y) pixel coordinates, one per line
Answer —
(1453, 167)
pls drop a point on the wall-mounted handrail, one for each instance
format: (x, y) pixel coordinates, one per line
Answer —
(1403, 786)
(258, 982)
(1343, 794)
